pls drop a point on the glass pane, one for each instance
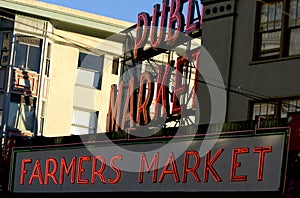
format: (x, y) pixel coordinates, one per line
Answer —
(263, 109)
(293, 13)
(264, 18)
(76, 130)
(284, 110)
(271, 17)
(278, 15)
(298, 13)
(256, 110)
(21, 56)
(14, 114)
(293, 105)
(34, 58)
(91, 62)
(88, 78)
(27, 117)
(271, 109)
(270, 40)
(295, 42)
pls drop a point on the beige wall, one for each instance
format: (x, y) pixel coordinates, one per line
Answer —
(60, 101)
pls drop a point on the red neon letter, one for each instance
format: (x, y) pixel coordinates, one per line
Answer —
(176, 17)
(116, 169)
(100, 171)
(113, 115)
(174, 171)
(63, 166)
(190, 26)
(162, 95)
(208, 166)
(154, 163)
(179, 88)
(142, 32)
(235, 164)
(53, 172)
(81, 170)
(39, 175)
(261, 160)
(145, 98)
(129, 106)
(155, 40)
(23, 170)
(192, 170)
(196, 54)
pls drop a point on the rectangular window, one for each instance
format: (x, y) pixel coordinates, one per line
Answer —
(42, 118)
(21, 112)
(278, 29)
(5, 50)
(47, 69)
(84, 122)
(28, 53)
(1, 106)
(115, 66)
(275, 108)
(89, 72)
(263, 109)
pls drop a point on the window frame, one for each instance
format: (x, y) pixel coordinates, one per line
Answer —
(74, 124)
(285, 31)
(96, 84)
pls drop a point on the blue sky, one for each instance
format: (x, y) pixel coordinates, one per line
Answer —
(127, 10)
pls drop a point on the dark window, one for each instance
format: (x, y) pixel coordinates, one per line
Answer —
(21, 112)
(28, 53)
(89, 72)
(115, 66)
(5, 50)
(277, 29)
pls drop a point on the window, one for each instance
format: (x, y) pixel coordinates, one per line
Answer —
(84, 122)
(42, 118)
(115, 66)
(21, 112)
(1, 106)
(263, 109)
(89, 72)
(5, 50)
(275, 108)
(278, 29)
(28, 53)
(47, 69)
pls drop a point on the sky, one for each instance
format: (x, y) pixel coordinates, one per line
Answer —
(127, 10)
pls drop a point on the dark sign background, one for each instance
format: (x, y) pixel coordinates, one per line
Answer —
(130, 166)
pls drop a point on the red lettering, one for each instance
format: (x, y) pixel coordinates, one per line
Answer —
(193, 169)
(116, 169)
(63, 167)
(173, 171)
(52, 173)
(235, 164)
(176, 21)
(145, 97)
(196, 54)
(37, 173)
(208, 166)
(179, 86)
(162, 95)
(261, 160)
(156, 41)
(98, 172)
(23, 170)
(129, 106)
(142, 32)
(190, 25)
(82, 170)
(154, 163)
(113, 115)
